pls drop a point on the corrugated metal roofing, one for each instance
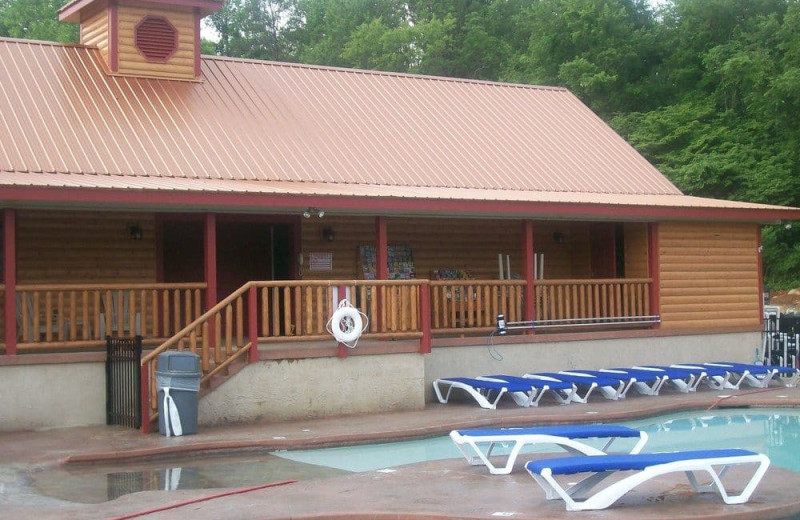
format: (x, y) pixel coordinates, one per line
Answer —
(265, 127)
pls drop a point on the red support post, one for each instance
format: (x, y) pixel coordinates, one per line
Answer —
(654, 270)
(144, 391)
(252, 323)
(10, 279)
(527, 262)
(425, 318)
(342, 295)
(210, 269)
(381, 266)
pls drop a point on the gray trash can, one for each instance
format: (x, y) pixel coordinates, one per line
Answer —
(178, 383)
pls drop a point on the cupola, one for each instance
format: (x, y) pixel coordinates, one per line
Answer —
(145, 38)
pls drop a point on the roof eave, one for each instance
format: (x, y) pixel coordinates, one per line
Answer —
(153, 200)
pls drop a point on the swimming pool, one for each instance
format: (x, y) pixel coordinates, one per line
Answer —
(775, 432)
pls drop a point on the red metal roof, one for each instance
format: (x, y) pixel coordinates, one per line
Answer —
(256, 127)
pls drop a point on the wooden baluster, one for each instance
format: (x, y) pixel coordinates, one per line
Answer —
(204, 357)
(154, 306)
(228, 330)
(187, 309)
(26, 317)
(239, 322)
(85, 315)
(218, 338)
(319, 305)
(165, 313)
(307, 312)
(144, 314)
(264, 311)
(276, 316)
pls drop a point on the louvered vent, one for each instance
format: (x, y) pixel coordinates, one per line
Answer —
(156, 38)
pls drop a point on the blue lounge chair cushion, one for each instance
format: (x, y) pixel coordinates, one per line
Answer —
(583, 380)
(640, 461)
(756, 369)
(491, 385)
(528, 383)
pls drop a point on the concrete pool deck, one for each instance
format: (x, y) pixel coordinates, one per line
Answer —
(432, 490)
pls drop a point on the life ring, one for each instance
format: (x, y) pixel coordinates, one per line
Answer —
(346, 324)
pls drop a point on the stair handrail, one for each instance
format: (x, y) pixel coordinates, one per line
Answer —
(193, 325)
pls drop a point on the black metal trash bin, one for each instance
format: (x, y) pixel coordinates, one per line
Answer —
(178, 384)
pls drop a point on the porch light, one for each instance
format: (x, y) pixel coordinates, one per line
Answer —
(135, 231)
(328, 234)
(313, 211)
(558, 237)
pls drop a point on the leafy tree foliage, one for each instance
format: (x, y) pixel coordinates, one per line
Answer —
(35, 20)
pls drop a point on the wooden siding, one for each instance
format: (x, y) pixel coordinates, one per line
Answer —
(94, 31)
(636, 259)
(179, 66)
(466, 244)
(84, 247)
(709, 275)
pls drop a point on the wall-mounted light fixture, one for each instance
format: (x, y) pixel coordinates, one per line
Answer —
(313, 211)
(135, 231)
(558, 237)
(328, 234)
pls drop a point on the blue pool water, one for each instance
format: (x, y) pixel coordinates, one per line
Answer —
(775, 432)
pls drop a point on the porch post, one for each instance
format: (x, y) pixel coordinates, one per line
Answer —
(381, 266)
(527, 262)
(425, 318)
(381, 249)
(210, 268)
(10, 279)
(252, 322)
(653, 264)
(342, 294)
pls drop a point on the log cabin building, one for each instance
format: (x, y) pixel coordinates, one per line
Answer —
(227, 207)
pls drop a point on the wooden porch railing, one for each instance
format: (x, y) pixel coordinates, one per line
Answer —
(74, 316)
(461, 305)
(614, 301)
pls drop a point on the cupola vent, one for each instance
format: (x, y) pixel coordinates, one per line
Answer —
(156, 38)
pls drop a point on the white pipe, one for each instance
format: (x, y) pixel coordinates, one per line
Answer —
(500, 264)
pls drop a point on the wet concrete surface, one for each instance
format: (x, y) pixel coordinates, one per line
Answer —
(431, 490)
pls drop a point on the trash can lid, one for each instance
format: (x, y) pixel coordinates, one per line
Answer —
(176, 361)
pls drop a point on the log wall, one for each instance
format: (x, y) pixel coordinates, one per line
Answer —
(84, 247)
(709, 275)
(636, 258)
(94, 30)
(465, 244)
(180, 65)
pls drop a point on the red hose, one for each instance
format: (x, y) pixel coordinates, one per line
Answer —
(202, 499)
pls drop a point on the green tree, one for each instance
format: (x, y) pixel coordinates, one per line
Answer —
(35, 20)
(256, 29)
(602, 50)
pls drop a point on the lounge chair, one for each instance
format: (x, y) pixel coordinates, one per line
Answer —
(646, 466)
(759, 376)
(646, 382)
(560, 390)
(576, 397)
(488, 392)
(717, 378)
(477, 445)
(612, 387)
(683, 379)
